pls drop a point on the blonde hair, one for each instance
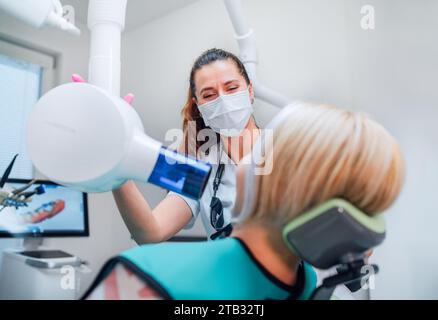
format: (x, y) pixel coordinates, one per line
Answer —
(322, 152)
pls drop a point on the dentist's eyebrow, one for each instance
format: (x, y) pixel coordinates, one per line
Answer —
(231, 81)
(205, 89)
(211, 88)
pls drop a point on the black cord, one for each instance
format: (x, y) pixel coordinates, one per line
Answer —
(218, 178)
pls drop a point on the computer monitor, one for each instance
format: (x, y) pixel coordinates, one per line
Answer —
(58, 212)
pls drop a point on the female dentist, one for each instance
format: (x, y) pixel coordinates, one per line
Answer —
(219, 105)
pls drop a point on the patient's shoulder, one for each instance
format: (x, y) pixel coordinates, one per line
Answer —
(181, 253)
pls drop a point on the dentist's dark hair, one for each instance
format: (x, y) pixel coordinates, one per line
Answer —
(190, 111)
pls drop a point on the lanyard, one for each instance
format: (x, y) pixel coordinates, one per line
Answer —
(218, 178)
(219, 172)
(216, 205)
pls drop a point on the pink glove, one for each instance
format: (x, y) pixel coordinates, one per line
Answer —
(129, 98)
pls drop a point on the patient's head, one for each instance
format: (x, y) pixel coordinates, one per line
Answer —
(320, 153)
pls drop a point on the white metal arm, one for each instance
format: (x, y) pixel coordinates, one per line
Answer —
(39, 13)
(248, 53)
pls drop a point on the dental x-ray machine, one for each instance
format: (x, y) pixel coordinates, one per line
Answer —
(83, 135)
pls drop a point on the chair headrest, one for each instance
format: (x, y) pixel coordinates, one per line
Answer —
(332, 233)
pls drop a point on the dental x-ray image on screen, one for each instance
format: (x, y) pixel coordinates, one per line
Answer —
(58, 212)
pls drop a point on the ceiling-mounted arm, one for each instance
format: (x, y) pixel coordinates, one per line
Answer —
(244, 36)
(39, 13)
(248, 53)
(106, 21)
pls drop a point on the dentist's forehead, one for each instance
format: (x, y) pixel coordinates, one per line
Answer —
(217, 73)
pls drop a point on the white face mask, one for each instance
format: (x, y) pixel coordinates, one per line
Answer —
(228, 114)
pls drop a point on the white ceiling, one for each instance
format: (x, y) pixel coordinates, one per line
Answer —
(139, 12)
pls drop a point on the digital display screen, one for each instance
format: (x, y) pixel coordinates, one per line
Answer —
(59, 211)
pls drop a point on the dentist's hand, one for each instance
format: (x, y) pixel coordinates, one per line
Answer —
(129, 98)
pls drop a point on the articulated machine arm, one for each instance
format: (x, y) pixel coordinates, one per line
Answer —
(39, 13)
(248, 54)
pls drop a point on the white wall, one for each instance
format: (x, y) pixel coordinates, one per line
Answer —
(394, 72)
(108, 234)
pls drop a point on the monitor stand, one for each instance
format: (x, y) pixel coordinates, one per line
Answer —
(31, 244)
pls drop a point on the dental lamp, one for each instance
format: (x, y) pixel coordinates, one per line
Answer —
(84, 136)
(248, 53)
(39, 13)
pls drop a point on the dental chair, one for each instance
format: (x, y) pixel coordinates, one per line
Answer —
(336, 234)
(333, 235)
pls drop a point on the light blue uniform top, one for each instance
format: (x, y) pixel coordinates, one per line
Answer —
(220, 270)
